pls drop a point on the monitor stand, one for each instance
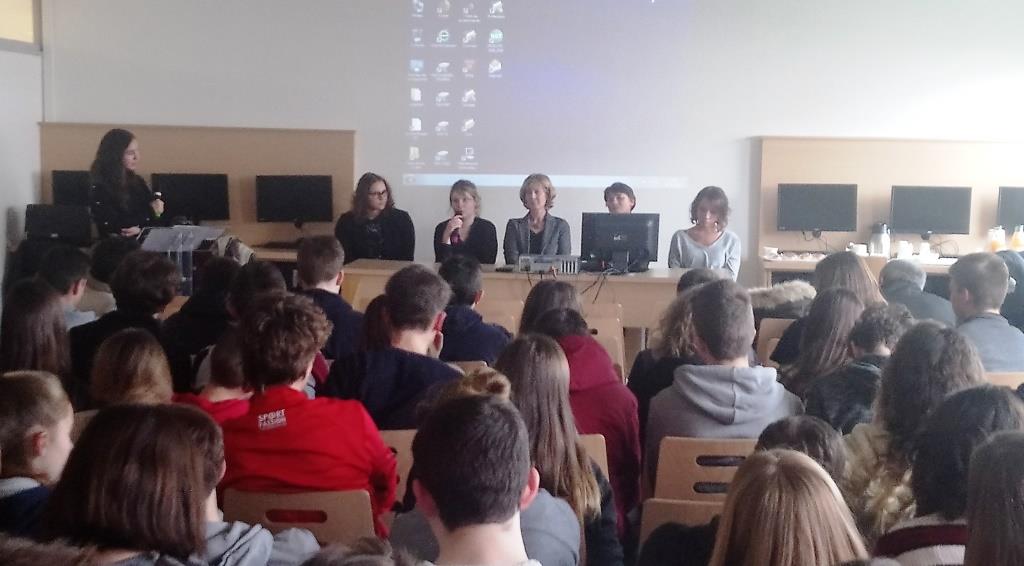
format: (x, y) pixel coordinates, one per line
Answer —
(621, 263)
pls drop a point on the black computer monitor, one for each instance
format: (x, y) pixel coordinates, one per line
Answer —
(71, 188)
(805, 207)
(294, 198)
(195, 196)
(620, 242)
(1011, 207)
(927, 210)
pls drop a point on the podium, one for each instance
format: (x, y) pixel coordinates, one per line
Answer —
(180, 244)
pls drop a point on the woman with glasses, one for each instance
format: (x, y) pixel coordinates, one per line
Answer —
(374, 228)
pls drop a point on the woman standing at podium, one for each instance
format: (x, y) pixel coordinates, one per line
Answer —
(538, 232)
(707, 244)
(122, 203)
(374, 228)
(465, 233)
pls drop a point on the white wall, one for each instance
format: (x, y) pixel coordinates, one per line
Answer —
(931, 69)
(21, 110)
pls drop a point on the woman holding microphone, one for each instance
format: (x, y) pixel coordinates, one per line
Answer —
(122, 203)
(465, 233)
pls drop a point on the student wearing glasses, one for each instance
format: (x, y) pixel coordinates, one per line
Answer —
(374, 228)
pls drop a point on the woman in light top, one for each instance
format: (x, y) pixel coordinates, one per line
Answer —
(707, 244)
(538, 232)
(465, 233)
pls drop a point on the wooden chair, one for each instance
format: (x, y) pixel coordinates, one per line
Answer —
(602, 310)
(174, 306)
(1011, 379)
(698, 469)
(400, 442)
(596, 448)
(608, 333)
(332, 516)
(657, 512)
(771, 328)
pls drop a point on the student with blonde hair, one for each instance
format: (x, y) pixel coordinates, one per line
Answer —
(995, 502)
(783, 509)
(131, 368)
(538, 232)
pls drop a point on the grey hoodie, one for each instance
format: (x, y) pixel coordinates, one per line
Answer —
(717, 402)
(239, 544)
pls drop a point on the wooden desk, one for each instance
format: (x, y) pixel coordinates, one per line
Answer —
(806, 266)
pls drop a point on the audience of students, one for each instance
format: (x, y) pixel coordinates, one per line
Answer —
(539, 373)
(35, 438)
(601, 404)
(107, 254)
(539, 232)
(707, 244)
(227, 394)
(466, 336)
(204, 317)
(287, 441)
(824, 343)
(941, 459)
(725, 397)
(619, 198)
(995, 502)
(902, 281)
(65, 268)
(33, 334)
(845, 397)
(978, 284)
(544, 296)
(320, 266)
(465, 233)
(930, 362)
(395, 374)
(374, 228)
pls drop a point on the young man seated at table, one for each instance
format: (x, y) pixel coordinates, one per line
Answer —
(467, 337)
(978, 284)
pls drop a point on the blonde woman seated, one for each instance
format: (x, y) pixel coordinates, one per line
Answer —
(538, 232)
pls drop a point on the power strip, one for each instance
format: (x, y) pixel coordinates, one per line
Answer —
(547, 263)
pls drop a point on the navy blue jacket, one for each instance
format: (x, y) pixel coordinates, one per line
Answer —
(19, 513)
(348, 323)
(467, 338)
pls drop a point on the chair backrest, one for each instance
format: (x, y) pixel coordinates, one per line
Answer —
(770, 328)
(596, 448)
(400, 442)
(468, 367)
(608, 333)
(174, 306)
(361, 302)
(698, 469)
(332, 516)
(1011, 379)
(602, 310)
(657, 512)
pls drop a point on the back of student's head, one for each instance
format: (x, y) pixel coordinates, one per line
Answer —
(881, 324)
(462, 272)
(33, 334)
(537, 369)
(473, 458)
(808, 435)
(783, 509)
(558, 323)
(108, 254)
(901, 270)
(254, 279)
(135, 480)
(281, 334)
(824, 344)
(545, 296)
(995, 502)
(208, 440)
(694, 277)
(414, 296)
(144, 283)
(320, 259)
(226, 361)
(31, 402)
(849, 271)
(131, 367)
(674, 336)
(985, 276)
(216, 276)
(15, 551)
(62, 267)
(723, 319)
(942, 451)
(930, 362)
(366, 551)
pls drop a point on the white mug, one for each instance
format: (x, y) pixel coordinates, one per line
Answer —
(924, 248)
(860, 249)
(904, 249)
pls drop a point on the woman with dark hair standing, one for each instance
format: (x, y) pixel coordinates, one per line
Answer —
(374, 228)
(465, 232)
(122, 203)
(707, 244)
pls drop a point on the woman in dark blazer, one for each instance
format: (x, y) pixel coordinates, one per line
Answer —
(121, 202)
(538, 232)
(374, 228)
(465, 233)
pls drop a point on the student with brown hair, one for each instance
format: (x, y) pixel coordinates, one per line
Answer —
(33, 335)
(288, 442)
(824, 342)
(783, 509)
(978, 284)
(35, 440)
(467, 337)
(995, 502)
(227, 394)
(65, 269)
(544, 296)
(929, 362)
(320, 266)
(131, 368)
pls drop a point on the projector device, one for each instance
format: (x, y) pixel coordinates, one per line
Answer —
(529, 263)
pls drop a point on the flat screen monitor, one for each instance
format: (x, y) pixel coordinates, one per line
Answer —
(930, 210)
(817, 207)
(294, 198)
(195, 196)
(71, 188)
(1011, 207)
(623, 242)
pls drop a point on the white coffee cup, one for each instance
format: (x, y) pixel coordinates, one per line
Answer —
(904, 249)
(770, 252)
(924, 248)
(860, 249)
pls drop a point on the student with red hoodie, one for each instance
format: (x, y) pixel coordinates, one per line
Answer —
(288, 442)
(226, 396)
(600, 403)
